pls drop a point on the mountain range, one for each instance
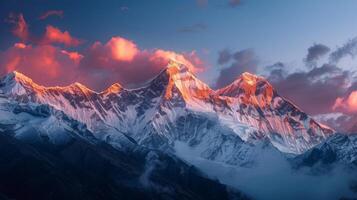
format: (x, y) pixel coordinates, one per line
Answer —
(134, 143)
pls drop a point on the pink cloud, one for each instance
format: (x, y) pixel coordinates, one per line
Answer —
(20, 45)
(58, 13)
(52, 34)
(118, 60)
(75, 56)
(46, 64)
(347, 104)
(122, 49)
(55, 35)
(20, 28)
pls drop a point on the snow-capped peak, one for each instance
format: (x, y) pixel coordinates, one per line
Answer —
(251, 89)
(186, 82)
(16, 76)
(249, 108)
(113, 89)
(176, 64)
(246, 81)
(17, 83)
(74, 88)
(250, 78)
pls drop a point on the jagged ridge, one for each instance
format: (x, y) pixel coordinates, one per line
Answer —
(175, 107)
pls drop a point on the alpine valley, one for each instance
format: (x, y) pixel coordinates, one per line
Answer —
(173, 138)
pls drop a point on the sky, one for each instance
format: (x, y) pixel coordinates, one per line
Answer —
(305, 48)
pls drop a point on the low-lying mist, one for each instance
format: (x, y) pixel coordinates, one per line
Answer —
(272, 177)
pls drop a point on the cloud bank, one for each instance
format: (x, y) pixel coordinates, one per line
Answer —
(273, 177)
(48, 62)
(326, 91)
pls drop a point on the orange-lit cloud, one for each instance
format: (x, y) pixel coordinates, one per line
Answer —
(46, 64)
(118, 60)
(20, 45)
(347, 104)
(55, 35)
(52, 34)
(103, 64)
(20, 28)
(122, 49)
(49, 13)
(75, 56)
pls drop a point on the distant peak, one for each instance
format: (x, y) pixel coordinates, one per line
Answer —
(115, 88)
(249, 75)
(17, 76)
(251, 88)
(14, 73)
(251, 79)
(248, 80)
(76, 86)
(177, 65)
(17, 83)
(116, 85)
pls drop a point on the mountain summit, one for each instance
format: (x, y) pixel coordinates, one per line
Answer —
(175, 108)
(251, 89)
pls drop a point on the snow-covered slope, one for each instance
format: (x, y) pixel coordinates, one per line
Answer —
(254, 101)
(41, 123)
(337, 149)
(176, 109)
(68, 160)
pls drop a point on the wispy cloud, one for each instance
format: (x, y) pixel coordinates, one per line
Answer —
(124, 8)
(51, 35)
(348, 49)
(55, 35)
(198, 27)
(224, 56)
(20, 28)
(58, 13)
(315, 52)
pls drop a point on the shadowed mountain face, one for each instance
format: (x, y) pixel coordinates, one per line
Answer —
(338, 149)
(44, 154)
(80, 170)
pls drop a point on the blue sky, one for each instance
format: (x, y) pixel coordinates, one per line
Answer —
(277, 30)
